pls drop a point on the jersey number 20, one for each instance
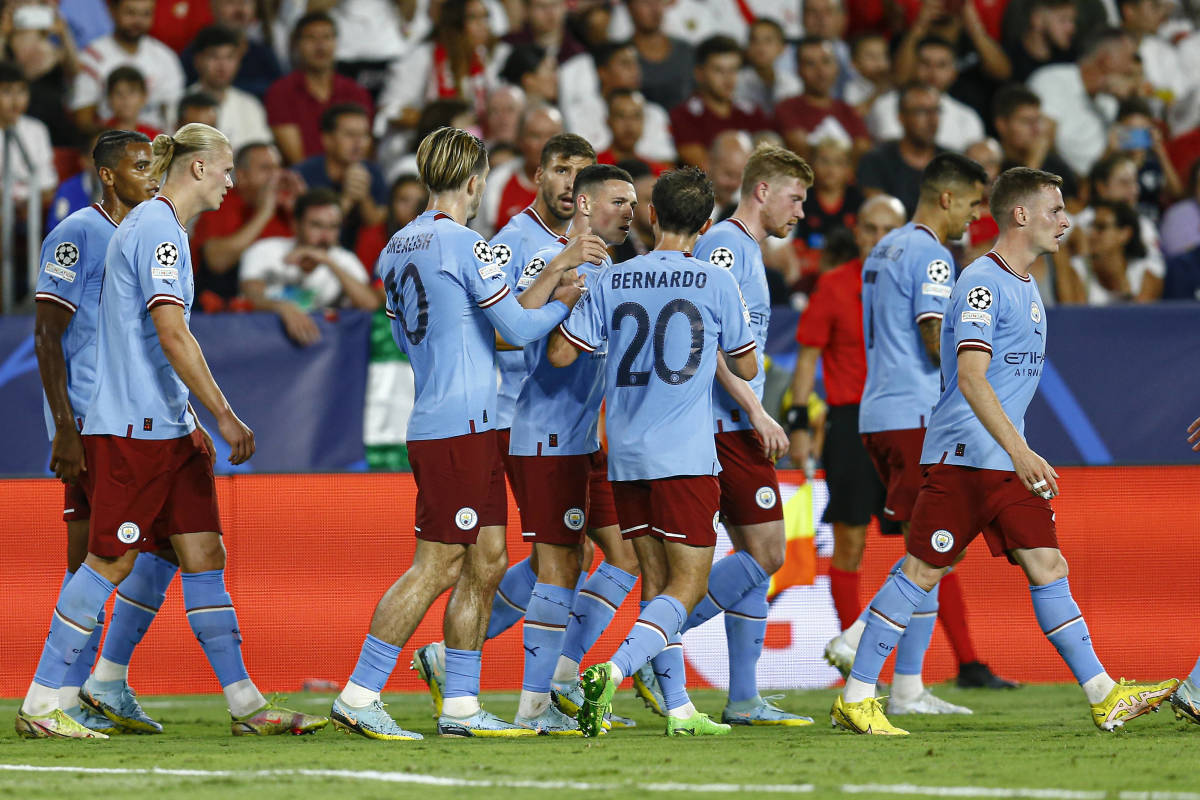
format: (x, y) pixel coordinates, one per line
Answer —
(626, 375)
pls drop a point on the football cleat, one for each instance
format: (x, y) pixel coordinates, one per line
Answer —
(370, 721)
(1127, 700)
(550, 722)
(977, 675)
(840, 655)
(430, 663)
(567, 697)
(762, 711)
(88, 718)
(273, 719)
(118, 702)
(698, 724)
(1186, 701)
(645, 686)
(55, 725)
(481, 723)
(612, 720)
(598, 691)
(865, 717)
(924, 703)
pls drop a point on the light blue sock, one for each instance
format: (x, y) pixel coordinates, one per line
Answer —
(138, 599)
(79, 671)
(545, 628)
(910, 653)
(745, 629)
(594, 608)
(213, 620)
(80, 603)
(891, 610)
(660, 620)
(731, 578)
(376, 661)
(462, 672)
(1195, 676)
(512, 598)
(1062, 622)
(671, 674)
(865, 613)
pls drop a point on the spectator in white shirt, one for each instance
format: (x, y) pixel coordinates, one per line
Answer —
(38, 175)
(1160, 60)
(959, 126)
(1082, 98)
(240, 115)
(129, 45)
(768, 76)
(293, 276)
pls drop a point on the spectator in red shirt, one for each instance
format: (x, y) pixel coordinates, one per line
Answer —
(816, 114)
(176, 22)
(831, 329)
(258, 207)
(512, 186)
(712, 109)
(296, 101)
(626, 123)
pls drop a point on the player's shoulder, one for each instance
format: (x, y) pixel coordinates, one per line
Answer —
(728, 244)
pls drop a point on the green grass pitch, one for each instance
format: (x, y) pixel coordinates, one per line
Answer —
(1035, 742)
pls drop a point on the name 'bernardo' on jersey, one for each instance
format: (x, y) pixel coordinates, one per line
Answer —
(673, 279)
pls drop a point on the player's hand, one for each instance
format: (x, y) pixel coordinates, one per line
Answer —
(239, 438)
(771, 433)
(799, 448)
(586, 247)
(66, 454)
(208, 443)
(1194, 435)
(299, 326)
(1037, 475)
(568, 294)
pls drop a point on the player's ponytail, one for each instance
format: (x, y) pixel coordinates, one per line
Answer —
(195, 137)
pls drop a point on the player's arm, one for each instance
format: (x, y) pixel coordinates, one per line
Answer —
(66, 453)
(184, 354)
(931, 336)
(208, 442)
(774, 440)
(744, 365)
(562, 353)
(1037, 475)
(584, 247)
(519, 325)
(804, 376)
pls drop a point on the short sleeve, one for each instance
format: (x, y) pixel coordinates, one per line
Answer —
(475, 266)
(736, 337)
(255, 261)
(62, 276)
(88, 88)
(974, 312)
(350, 263)
(279, 111)
(157, 254)
(816, 321)
(585, 328)
(932, 282)
(524, 277)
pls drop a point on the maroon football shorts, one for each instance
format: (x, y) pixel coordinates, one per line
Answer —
(460, 487)
(897, 459)
(554, 495)
(680, 509)
(749, 486)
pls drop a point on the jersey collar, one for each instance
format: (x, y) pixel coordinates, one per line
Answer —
(1000, 262)
(174, 213)
(928, 230)
(742, 226)
(534, 216)
(105, 214)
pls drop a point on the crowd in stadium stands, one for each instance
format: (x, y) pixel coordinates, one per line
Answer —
(333, 95)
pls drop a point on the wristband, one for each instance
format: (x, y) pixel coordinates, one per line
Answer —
(797, 418)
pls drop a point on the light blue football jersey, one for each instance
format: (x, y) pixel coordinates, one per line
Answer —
(138, 394)
(663, 314)
(445, 292)
(906, 280)
(729, 245)
(514, 248)
(996, 311)
(558, 409)
(72, 276)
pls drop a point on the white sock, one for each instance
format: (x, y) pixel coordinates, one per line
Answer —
(40, 700)
(243, 697)
(685, 711)
(907, 687)
(68, 697)
(357, 696)
(460, 707)
(106, 670)
(566, 671)
(856, 691)
(853, 634)
(617, 675)
(532, 704)
(1097, 688)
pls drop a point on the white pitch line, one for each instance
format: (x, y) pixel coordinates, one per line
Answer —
(799, 788)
